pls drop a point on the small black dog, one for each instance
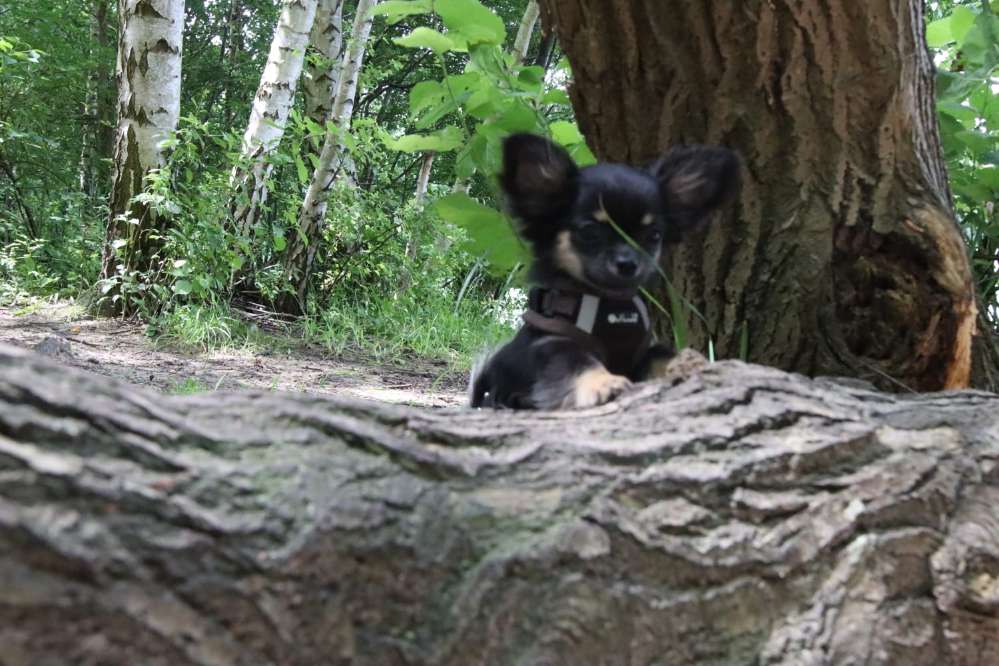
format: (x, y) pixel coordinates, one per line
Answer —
(596, 234)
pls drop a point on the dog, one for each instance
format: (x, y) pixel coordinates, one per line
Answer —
(596, 235)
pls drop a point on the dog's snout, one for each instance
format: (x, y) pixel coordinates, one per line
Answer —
(624, 262)
(626, 267)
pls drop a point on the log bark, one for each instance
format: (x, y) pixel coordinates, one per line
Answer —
(844, 257)
(733, 515)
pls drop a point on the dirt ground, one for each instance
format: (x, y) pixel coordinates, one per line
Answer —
(122, 350)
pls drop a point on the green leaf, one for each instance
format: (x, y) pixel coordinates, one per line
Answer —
(556, 96)
(476, 23)
(182, 287)
(963, 114)
(443, 140)
(582, 155)
(517, 117)
(280, 243)
(531, 79)
(938, 33)
(396, 10)
(961, 21)
(303, 173)
(426, 38)
(566, 133)
(489, 233)
(424, 94)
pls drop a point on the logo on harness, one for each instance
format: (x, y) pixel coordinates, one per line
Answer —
(622, 318)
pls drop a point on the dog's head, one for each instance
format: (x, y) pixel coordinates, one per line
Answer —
(605, 225)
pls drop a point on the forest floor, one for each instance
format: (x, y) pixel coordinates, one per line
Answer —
(122, 350)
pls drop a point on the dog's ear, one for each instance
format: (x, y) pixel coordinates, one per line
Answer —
(694, 181)
(539, 178)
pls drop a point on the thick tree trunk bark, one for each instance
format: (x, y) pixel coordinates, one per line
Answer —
(844, 257)
(270, 109)
(740, 516)
(150, 41)
(301, 251)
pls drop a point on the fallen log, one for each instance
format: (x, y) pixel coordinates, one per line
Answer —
(736, 515)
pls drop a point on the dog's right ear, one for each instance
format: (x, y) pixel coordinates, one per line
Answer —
(539, 178)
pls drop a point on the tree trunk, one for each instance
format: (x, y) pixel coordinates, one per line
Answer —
(740, 516)
(269, 112)
(150, 40)
(302, 246)
(844, 257)
(423, 178)
(523, 39)
(90, 132)
(322, 74)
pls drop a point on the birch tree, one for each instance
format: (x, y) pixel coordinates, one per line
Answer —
(150, 43)
(523, 39)
(322, 73)
(270, 109)
(302, 246)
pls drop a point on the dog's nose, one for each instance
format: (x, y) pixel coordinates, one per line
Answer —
(626, 267)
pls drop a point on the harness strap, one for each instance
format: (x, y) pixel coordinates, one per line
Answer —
(565, 328)
(571, 313)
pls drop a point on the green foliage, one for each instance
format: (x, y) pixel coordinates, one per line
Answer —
(964, 36)
(397, 327)
(189, 386)
(475, 109)
(390, 273)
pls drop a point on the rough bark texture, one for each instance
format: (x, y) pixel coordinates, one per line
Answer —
(270, 109)
(150, 39)
(843, 256)
(739, 516)
(301, 250)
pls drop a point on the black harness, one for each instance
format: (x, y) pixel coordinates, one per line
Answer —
(616, 329)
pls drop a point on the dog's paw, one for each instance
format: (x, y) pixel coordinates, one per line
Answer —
(595, 387)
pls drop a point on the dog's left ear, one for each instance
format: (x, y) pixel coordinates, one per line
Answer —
(693, 182)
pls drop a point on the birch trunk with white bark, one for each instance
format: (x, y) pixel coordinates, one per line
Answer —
(302, 246)
(150, 43)
(523, 40)
(269, 113)
(322, 74)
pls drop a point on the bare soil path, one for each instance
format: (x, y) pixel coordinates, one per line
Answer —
(122, 350)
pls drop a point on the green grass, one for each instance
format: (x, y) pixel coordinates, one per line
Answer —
(189, 386)
(392, 330)
(206, 327)
(386, 330)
